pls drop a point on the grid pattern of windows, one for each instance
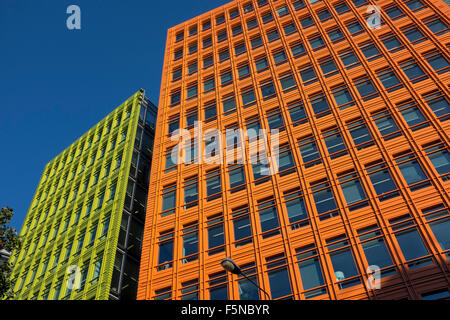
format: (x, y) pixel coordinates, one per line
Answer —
(348, 101)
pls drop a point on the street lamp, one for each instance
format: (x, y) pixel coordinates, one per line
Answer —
(230, 266)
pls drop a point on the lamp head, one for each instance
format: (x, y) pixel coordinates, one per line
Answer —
(230, 266)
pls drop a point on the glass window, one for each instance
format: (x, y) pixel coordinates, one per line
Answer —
(310, 153)
(324, 200)
(335, 145)
(310, 271)
(382, 181)
(247, 289)
(439, 157)
(280, 284)
(375, 249)
(351, 188)
(296, 209)
(242, 226)
(216, 236)
(343, 262)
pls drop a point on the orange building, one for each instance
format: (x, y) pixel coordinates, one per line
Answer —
(359, 205)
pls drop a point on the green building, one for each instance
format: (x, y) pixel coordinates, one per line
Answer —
(83, 232)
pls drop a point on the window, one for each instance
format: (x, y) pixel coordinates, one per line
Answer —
(220, 19)
(413, 34)
(190, 242)
(413, 71)
(256, 41)
(226, 78)
(192, 91)
(308, 75)
(411, 170)
(229, 104)
(438, 219)
(175, 98)
(442, 294)
(319, 104)
(386, 124)
(437, 61)
(165, 255)
(333, 140)
(218, 286)
(189, 290)
(267, 17)
(394, 12)
(289, 28)
(97, 268)
(207, 42)
(311, 273)
(192, 67)
(288, 83)
(352, 189)
(210, 111)
(389, 79)
(192, 31)
(297, 113)
(365, 88)
(248, 97)
(324, 15)
(316, 42)
(282, 11)
(277, 271)
(224, 54)
(412, 114)
(176, 74)
(252, 23)
(324, 199)
(208, 61)
(296, 209)
(391, 43)
(193, 47)
(163, 294)
(206, 25)
(272, 35)
(299, 4)
(208, 85)
(243, 71)
(285, 161)
(342, 96)
(267, 90)
(354, 28)
(190, 192)
(328, 67)
(247, 288)
(349, 59)
(239, 48)
(242, 226)
(360, 134)
(213, 185)
(370, 51)
(174, 124)
(306, 22)
(310, 153)
(410, 242)
(237, 178)
(248, 7)
(236, 29)
(261, 64)
(345, 271)
(179, 36)
(178, 54)
(382, 181)
(216, 235)
(335, 35)
(168, 200)
(222, 35)
(375, 249)
(439, 103)
(436, 26)
(234, 13)
(341, 8)
(415, 5)
(439, 157)
(298, 49)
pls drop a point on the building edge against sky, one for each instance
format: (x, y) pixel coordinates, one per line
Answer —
(364, 115)
(88, 212)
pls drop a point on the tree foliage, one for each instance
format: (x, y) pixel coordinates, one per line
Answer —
(9, 241)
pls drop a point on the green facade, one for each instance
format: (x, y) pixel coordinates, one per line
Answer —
(76, 214)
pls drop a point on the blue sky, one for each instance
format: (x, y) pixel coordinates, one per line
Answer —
(57, 83)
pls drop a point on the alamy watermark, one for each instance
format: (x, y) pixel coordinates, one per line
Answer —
(216, 147)
(74, 278)
(73, 21)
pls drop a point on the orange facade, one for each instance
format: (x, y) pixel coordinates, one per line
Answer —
(363, 114)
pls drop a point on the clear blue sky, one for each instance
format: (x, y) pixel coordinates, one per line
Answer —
(55, 84)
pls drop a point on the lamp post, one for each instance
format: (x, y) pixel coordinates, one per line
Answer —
(230, 266)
